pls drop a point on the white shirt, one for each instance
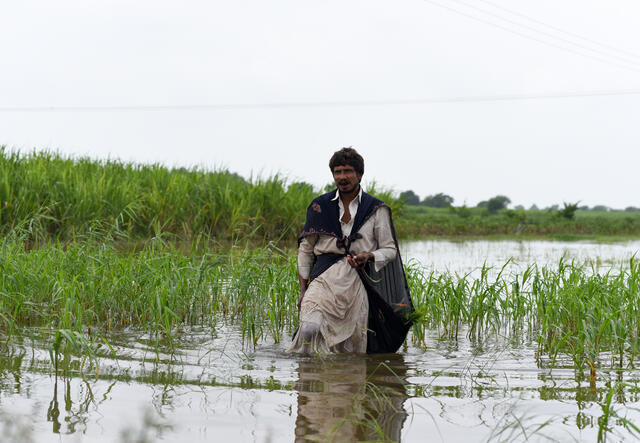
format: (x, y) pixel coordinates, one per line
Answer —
(376, 233)
(353, 209)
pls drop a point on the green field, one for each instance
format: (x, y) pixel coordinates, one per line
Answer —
(50, 197)
(142, 283)
(421, 221)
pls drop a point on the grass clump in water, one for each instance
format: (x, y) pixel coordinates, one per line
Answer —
(83, 287)
(591, 317)
(92, 287)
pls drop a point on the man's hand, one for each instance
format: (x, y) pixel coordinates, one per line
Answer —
(360, 259)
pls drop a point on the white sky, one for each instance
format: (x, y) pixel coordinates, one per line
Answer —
(92, 54)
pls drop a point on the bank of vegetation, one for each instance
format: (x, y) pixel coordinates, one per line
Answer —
(56, 198)
(59, 198)
(422, 221)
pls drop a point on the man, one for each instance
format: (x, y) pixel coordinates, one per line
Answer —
(348, 236)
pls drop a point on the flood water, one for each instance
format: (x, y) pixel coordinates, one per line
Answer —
(207, 386)
(466, 257)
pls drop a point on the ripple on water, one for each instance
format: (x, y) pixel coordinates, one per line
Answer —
(210, 387)
(203, 385)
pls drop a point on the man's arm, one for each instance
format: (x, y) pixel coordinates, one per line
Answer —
(306, 259)
(387, 250)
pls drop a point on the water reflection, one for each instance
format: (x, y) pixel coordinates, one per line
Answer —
(351, 398)
(462, 389)
(75, 417)
(54, 411)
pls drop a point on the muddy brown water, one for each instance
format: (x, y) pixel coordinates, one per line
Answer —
(207, 386)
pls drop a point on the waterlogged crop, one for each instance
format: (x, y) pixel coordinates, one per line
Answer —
(568, 310)
(89, 288)
(83, 287)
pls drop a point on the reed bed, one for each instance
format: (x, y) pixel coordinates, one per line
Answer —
(90, 288)
(87, 288)
(52, 197)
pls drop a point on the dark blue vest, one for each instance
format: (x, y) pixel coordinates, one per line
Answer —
(323, 218)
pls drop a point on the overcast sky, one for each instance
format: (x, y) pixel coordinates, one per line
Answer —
(537, 100)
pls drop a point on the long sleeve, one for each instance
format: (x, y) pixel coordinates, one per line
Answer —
(305, 255)
(386, 251)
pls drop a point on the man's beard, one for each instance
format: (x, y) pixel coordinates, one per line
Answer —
(349, 191)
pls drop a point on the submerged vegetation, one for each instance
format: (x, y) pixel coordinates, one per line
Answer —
(592, 318)
(87, 288)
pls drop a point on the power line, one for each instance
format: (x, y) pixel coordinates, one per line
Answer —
(604, 45)
(326, 104)
(504, 28)
(624, 59)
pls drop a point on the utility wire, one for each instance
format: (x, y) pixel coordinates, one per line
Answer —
(555, 28)
(624, 59)
(504, 28)
(327, 104)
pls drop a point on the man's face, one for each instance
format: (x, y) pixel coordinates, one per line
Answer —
(346, 178)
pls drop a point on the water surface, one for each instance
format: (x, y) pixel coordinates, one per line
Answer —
(206, 385)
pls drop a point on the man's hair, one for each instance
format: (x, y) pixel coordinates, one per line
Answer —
(347, 156)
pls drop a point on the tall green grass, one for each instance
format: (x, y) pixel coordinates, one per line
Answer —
(91, 287)
(592, 317)
(51, 197)
(83, 287)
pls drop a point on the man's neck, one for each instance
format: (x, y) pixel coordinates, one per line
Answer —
(347, 198)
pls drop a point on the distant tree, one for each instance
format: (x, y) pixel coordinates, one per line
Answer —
(631, 209)
(533, 207)
(497, 203)
(519, 208)
(600, 208)
(569, 210)
(410, 198)
(583, 208)
(439, 200)
(553, 208)
(482, 204)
